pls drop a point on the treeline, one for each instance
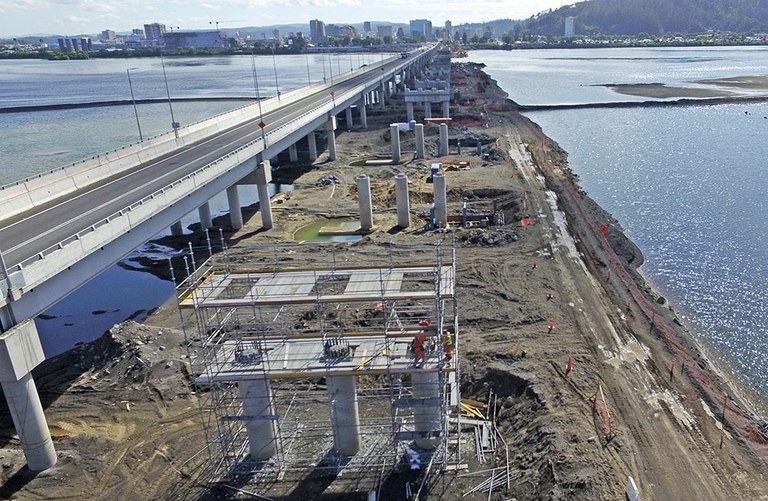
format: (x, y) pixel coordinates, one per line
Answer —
(654, 17)
(57, 55)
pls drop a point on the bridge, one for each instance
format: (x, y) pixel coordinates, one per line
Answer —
(59, 230)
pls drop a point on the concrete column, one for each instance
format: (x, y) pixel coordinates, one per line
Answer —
(443, 145)
(426, 418)
(20, 352)
(394, 131)
(312, 142)
(293, 154)
(204, 211)
(363, 114)
(383, 96)
(235, 212)
(345, 417)
(420, 141)
(256, 398)
(263, 177)
(409, 111)
(427, 109)
(348, 113)
(177, 229)
(441, 200)
(330, 127)
(446, 109)
(364, 199)
(403, 201)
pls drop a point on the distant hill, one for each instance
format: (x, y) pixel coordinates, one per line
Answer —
(655, 17)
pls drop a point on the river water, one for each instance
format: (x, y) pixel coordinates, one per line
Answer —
(688, 184)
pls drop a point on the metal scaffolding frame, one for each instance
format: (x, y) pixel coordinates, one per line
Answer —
(296, 315)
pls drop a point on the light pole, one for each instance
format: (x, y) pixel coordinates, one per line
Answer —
(174, 123)
(274, 65)
(262, 125)
(309, 78)
(133, 99)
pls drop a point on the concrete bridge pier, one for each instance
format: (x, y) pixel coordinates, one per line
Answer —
(383, 95)
(364, 200)
(345, 417)
(293, 154)
(204, 211)
(394, 131)
(409, 110)
(443, 145)
(446, 109)
(441, 200)
(330, 126)
(403, 201)
(256, 398)
(177, 229)
(263, 177)
(348, 116)
(427, 109)
(426, 418)
(235, 212)
(419, 140)
(363, 114)
(20, 352)
(312, 143)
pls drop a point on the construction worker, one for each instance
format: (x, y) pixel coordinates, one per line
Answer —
(420, 344)
(448, 344)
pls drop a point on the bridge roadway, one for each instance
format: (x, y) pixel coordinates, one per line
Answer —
(60, 230)
(31, 233)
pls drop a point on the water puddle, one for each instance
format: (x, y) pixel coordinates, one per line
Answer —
(330, 230)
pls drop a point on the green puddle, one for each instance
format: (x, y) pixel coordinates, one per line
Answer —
(311, 232)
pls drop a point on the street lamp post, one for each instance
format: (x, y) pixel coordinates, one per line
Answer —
(133, 99)
(309, 78)
(174, 123)
(258, 100)
(274, 65)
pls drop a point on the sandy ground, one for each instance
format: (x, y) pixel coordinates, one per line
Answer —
(125, 418)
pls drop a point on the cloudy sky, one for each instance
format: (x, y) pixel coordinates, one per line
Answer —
(74, 17)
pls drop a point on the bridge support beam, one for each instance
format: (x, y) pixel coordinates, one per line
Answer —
(427, 109)
(312, 142)
(442, 149)
(20, 352)
(409, 111)
(204, 211)
(364, 200)
(263, 177)
(394, 131)
(419, 140)
(348, 115)
(363, 114)
(446, 109)
(177, 229)
(345, 417)
(293, 154)
(441, 201)
(382, 93)
(235, 212)
(256, 398)
(403, 201)
(331, 127)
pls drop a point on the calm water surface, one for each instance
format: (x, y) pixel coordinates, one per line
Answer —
(689, 184)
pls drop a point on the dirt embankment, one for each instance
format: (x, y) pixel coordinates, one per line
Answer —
(124, 415)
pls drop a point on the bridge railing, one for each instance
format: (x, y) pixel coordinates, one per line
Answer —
(98, 234)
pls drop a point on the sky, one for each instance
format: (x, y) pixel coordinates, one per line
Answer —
(75, 17)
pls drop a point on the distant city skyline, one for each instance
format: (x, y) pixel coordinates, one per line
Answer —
(74, 17)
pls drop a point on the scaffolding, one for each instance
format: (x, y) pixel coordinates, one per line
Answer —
(327, 357)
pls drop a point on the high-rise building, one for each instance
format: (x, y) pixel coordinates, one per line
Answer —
(449, 30)
(154, 31)
(570, 26)
(108, 35)
(385, 31)
(367, 27)
(317, 31)
(421, 28)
